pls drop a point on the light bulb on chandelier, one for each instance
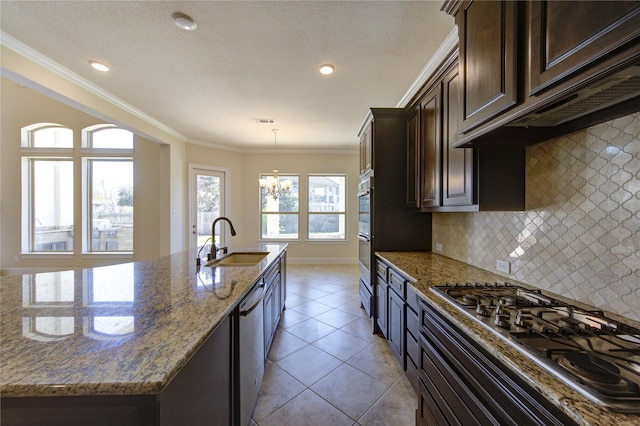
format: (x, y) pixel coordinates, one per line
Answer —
(272, 186)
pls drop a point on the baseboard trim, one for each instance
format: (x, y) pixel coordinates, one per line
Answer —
(322, 260)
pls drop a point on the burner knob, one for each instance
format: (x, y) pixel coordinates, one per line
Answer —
(524, 318)
(503, 320)
(484, 310)
(502, 310)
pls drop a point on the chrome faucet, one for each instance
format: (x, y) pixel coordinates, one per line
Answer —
(214, 249)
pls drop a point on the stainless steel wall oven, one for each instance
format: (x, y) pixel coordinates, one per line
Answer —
(365, 195)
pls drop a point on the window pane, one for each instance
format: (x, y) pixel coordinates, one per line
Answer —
(279, 226)
(327, 193)
(52, 137)
(327, 207)
(112, 138)
(286, 202)
(326, 226)
(111, 205)
(52, 205)
(208, 193)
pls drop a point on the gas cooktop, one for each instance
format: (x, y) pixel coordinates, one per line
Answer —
(595, 355)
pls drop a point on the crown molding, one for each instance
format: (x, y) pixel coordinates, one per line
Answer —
(254, 150)
(446, 47)
(39, 59)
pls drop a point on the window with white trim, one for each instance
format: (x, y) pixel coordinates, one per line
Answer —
(327, 207)
(50, 155)
(279, 217)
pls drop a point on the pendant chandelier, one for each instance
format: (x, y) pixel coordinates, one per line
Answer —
(272, 186)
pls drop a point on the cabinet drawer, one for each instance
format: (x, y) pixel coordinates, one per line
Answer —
(412, 300)
(381, 270)
(365, 297)
(413, 349)
(413, 331)
(397, 282)
(412, 375)
(271, 274)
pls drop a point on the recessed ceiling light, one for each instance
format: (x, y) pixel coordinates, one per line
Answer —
(98, 66)
(326, 69)
(184, 21)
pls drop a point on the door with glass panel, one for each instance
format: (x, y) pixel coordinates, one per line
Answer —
(207, 204)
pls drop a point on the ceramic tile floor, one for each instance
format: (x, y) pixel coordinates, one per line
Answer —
(325, 367)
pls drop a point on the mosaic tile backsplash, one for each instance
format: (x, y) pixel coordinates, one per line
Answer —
(580, 233)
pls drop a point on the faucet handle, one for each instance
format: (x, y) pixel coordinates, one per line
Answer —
(224, 250)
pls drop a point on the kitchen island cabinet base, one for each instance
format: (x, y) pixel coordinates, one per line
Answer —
(200, 394)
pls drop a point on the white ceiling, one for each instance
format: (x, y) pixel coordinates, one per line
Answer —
(246, 60)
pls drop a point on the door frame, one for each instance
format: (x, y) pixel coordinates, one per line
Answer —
(226, 171)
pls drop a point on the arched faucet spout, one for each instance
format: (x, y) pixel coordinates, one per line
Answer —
(214, 249)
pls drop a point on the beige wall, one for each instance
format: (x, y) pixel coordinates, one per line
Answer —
(580, 234)
(244, 198)
(303, 251)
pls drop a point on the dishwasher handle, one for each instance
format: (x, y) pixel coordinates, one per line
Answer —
(252, 304)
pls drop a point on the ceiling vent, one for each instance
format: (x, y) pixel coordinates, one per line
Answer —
(264, 121)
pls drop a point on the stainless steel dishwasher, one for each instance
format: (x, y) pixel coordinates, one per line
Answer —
(251, 342)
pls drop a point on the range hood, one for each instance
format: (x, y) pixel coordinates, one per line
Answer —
(604, 93)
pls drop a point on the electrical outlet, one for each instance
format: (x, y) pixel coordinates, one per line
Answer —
(439, 247)
(503, 266)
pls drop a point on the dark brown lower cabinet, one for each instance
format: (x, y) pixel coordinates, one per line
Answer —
(396, 325)
(381, 306)
(412, 338)
(461, 384)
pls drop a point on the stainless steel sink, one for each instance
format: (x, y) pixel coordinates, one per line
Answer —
(239, 259)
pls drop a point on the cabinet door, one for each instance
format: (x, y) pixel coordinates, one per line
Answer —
(413, 159)
(430, 148)
(488, 61)
(201, 393)
(396, 325)
(566, 36)
(269, 312)
(457, 163)
(381, 307)
(366, 152)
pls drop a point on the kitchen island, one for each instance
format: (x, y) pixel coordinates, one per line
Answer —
(116, 331)
(426, 270)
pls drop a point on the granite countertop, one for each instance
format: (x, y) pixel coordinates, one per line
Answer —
(425, 270)
(124, 329)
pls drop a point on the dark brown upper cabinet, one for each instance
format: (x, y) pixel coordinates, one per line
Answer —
(567, 36)
(366, 149)
(535, 70)
(430, 148)
(445, 178)
(488, 66)
(457, 163)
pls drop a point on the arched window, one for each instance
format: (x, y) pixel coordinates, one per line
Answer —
(52, 193)
(108, 185)
(47, 135)
(47, 183)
